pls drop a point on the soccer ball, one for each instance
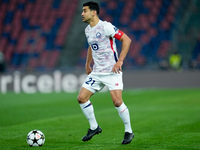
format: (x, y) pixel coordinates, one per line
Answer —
(35, 138)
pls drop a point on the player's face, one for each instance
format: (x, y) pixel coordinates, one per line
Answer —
(87, 14)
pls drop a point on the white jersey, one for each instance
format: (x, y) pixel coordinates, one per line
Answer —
(101, 39)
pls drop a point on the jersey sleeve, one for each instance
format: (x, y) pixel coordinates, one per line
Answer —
(118, 35)
(112, 31)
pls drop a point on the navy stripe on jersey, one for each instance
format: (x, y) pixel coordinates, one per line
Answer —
(115, 55)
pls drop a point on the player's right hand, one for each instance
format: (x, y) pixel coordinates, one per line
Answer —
(117, 67)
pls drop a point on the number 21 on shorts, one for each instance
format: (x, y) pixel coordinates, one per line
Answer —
(90, 81)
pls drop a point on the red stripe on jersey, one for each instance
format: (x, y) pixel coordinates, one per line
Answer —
(111, 44)
(118, 35)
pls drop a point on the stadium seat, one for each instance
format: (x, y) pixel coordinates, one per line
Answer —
(148, 22)
(31, 28)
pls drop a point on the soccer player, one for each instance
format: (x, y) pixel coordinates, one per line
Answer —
(106, 71)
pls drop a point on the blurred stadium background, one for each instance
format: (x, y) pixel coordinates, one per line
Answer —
(43, 50)
(41, 36)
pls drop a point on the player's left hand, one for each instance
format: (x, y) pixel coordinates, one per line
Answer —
(117, 67)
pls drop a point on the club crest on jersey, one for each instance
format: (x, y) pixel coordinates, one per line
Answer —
(98, 35)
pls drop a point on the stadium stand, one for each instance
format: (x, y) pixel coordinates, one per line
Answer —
(195, 59)
(149, 23)
(33, 31)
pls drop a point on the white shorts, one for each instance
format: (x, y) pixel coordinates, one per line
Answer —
(95, 83)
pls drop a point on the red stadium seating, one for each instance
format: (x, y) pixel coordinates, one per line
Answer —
(31, 30)
(149, 24)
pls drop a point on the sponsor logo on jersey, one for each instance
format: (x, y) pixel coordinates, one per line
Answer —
(95, 47)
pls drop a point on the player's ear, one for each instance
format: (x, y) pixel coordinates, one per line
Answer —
(94, 12)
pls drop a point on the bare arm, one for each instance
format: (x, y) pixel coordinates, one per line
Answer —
(88, 69)
(126, 41)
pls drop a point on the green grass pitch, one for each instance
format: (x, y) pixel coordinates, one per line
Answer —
(167, 119)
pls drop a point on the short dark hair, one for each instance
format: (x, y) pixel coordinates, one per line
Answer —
(92, 6)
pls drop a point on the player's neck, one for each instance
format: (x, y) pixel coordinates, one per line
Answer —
(94, 22)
